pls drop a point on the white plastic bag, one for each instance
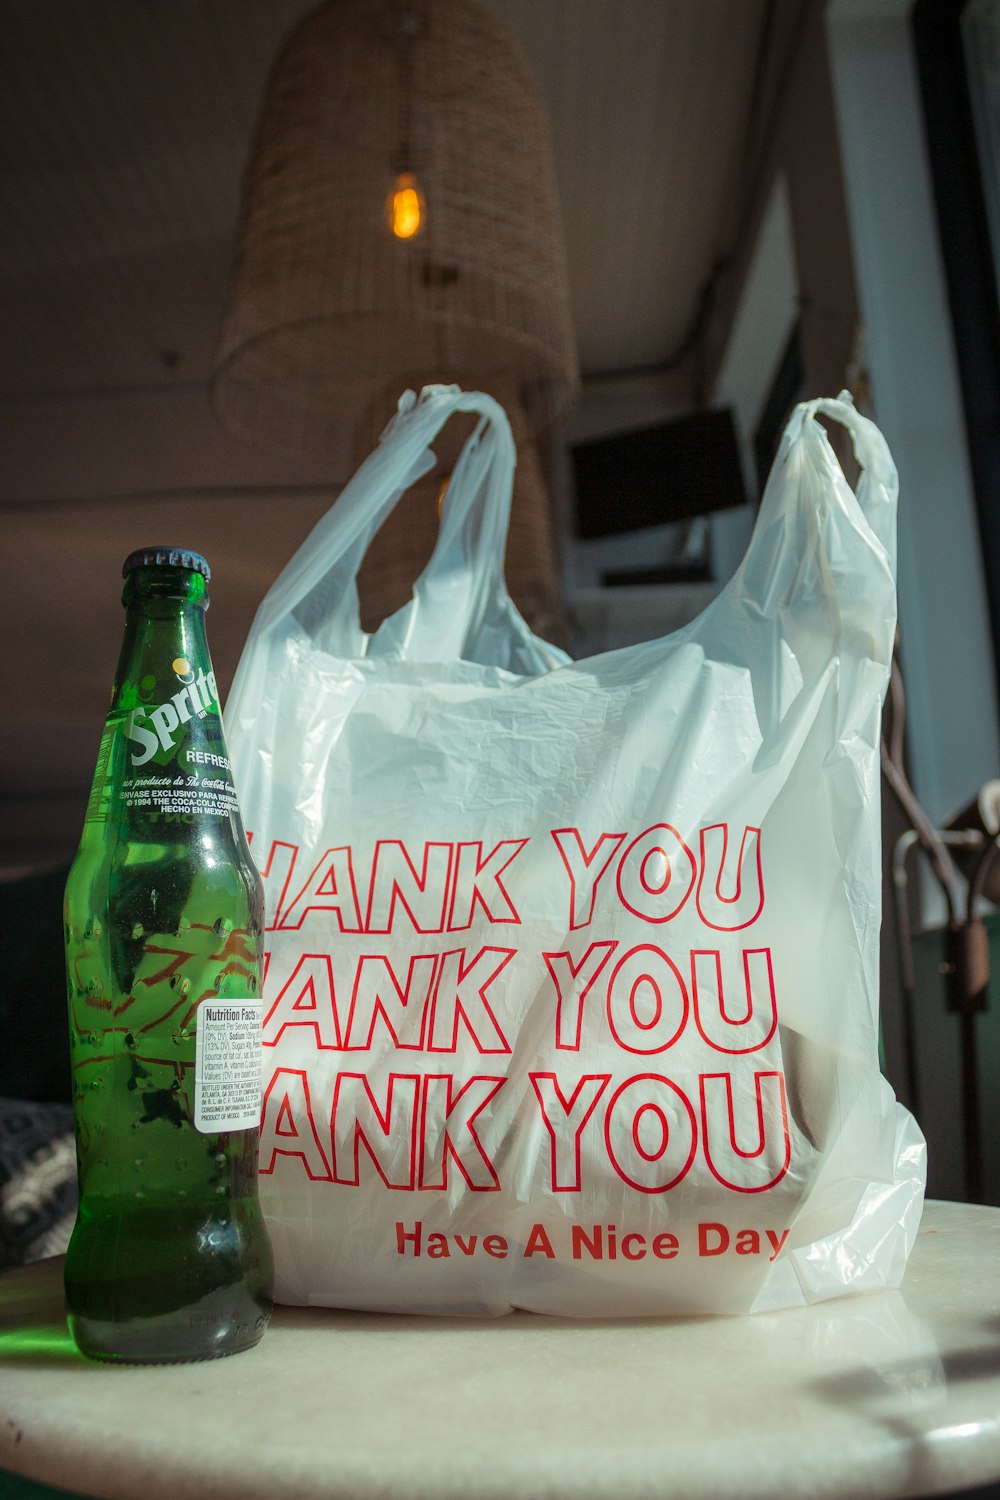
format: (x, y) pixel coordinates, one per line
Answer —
(571, 1001)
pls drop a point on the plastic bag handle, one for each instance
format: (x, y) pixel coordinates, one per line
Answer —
(878, 486)
(319, 585)
(821, 563)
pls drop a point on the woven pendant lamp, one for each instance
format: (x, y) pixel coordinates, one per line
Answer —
(328, 308)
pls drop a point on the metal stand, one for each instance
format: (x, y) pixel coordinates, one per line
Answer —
(960, 860)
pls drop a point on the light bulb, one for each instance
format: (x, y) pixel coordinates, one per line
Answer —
(405, 207)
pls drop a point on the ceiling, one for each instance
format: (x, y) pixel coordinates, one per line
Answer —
(127, 124)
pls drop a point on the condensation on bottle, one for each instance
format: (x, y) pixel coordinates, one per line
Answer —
(169, 1258)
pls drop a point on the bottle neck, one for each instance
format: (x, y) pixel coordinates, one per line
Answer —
(163, 767)
(165, 687)
(164, 649)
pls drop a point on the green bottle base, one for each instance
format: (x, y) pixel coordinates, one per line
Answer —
(163, 1285)
(220, 1324)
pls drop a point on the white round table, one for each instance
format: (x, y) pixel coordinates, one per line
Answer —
(894, 1393)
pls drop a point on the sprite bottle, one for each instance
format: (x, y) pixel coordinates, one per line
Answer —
(169, 1258)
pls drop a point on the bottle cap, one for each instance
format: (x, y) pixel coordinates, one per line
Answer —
(166, 557)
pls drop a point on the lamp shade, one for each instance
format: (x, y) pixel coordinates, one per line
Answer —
(326, 306)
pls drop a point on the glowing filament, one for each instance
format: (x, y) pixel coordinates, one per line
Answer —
(405, 207)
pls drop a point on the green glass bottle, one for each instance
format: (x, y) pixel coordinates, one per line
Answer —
(170, 1258)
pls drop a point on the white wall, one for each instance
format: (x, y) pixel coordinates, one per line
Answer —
(944, 622)
(764, 322)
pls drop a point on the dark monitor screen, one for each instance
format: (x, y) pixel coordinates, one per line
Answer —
(671, 472)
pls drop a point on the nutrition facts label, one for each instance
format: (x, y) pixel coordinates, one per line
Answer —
(198, 794)
(227, 1065)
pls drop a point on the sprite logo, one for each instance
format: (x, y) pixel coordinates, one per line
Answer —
(154, 729)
